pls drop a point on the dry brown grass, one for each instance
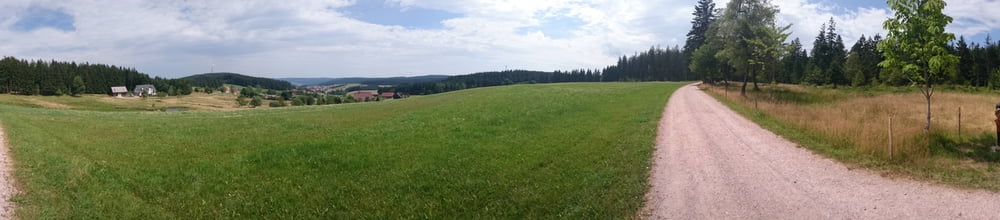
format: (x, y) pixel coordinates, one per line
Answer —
(48, 104)
(195, 101)
(863, 120)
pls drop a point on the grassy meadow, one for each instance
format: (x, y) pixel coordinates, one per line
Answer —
(852, 125)
(569, 150)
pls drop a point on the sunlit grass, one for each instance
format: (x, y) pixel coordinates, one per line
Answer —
(576, 150)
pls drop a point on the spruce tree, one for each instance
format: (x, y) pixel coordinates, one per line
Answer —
(704, 15)
(78, 86)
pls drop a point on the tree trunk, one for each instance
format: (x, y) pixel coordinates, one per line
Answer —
(754, 78)
(743, 90)
(927, 95)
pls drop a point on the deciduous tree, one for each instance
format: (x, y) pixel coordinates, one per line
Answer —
(917, 44)
(749, 26)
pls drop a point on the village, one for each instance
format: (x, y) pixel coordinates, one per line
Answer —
(235, 97)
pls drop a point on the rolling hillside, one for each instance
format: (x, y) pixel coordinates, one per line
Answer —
(571, 150)
(387, 80)
(219, 79)
(305, 81)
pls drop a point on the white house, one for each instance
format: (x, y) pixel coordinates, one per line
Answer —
(145, 90)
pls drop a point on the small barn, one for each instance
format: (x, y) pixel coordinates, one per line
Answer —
(145, 90)
(119, 91)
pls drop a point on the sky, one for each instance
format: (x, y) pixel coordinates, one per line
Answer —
(379, 38)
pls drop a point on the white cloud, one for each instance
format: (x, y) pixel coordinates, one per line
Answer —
(808, 17)
(972, 17)
(311, 38)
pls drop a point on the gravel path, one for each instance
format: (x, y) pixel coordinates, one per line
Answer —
(711, 163)
(7, 189)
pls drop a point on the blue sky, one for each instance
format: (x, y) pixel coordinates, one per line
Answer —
(36, 17)
(341, 38)
(395, 13)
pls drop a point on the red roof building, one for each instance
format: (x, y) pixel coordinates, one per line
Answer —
(363, 96)
(388, 95)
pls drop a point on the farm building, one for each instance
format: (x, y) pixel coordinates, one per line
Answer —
(391, 95)
(364, 96)
(145, 90)
(119, 91)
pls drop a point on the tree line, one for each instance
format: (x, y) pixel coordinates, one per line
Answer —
(24, 77)
(216, 80)
(656, 64)
(979, 64)
(741, 43)
(497, 78)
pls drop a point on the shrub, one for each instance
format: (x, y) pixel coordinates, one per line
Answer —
(256, 101)
(277, 103)
(241, 101)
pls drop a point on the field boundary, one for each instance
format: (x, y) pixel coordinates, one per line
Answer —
(7, 189)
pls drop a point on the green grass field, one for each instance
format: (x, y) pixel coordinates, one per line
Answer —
(573, 150)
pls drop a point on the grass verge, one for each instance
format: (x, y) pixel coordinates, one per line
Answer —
(573, 150)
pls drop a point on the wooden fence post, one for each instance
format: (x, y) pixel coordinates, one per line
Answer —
(891, 150)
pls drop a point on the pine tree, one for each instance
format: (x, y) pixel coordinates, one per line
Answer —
(704, 15)
(78, 86)
(794, 64)
(820, 58)
(854, 66)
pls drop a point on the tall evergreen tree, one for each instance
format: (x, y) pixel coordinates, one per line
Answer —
(794, 64)
(837, 58)
(862, 62)
(966, 63)
(78, 86)
(819, 58)
(987, 59)
(703, 61)
(704, 15)
(828, 57)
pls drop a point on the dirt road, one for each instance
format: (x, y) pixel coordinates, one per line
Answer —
(7, 189)
(711, 163)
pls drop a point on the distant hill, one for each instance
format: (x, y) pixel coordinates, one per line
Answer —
(386, 80)
(218, 79)
(307, 81)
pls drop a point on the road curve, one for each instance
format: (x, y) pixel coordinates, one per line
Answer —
(711, 163)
